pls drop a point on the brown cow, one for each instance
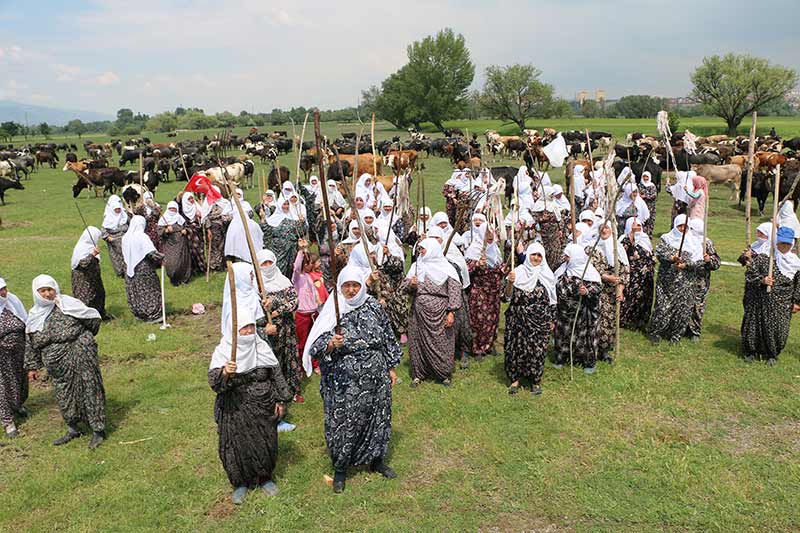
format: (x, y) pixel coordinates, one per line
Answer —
(721, 174)
(365, 163)
(404, 158)
(770, 159)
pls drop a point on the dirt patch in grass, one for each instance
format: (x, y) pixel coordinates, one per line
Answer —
(11, 224)
(521, 523)
(781, 440)
(221, 509)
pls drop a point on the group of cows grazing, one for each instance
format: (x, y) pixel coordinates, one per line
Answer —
(720, 159)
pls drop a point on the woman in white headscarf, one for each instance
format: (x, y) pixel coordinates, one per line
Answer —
(141, 281)
(478, 220)
(236, 245)
(675, 286)
(151, 212)
(215, 223)
(638, 292)
(702, 280)
(630, 205)
(578, 289)
(115, 224)
(613, 288)
(530, 319)
(336, 199)
(768, 315)
(579, 184)
(365, 189)
(315, 189)
(486, 271)
(760, 245)
(344, 248)
(175, 246)
(268, 204)
(455, 189)
(417, 231)
(281, 234)
(251, 394)
(649, 193)
(13, 380)
(87, 283)
(244, 279)
(435, 288)
(788, 218)
(357, 363)
(192, 219)
(281, 303)
(61, 332)
(546, 216)
(389, 271)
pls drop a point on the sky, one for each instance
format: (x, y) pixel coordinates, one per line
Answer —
(256, 55)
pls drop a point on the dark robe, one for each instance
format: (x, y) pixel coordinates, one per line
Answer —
(529, 319)
(674, 294)
(702, 285)
(584, 347)
(356, 388)
(87, 284)
(177, 255)
(13, 379)
(113, 239)
(284, 342)
(484, 305)
(639, 289)
(246, 423)
(216, 224)
(283, 242)
(144, 289)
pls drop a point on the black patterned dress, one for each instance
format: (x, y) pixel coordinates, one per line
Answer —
(113, 239)
(356, 388)
(529, 319)
(702, 285)
(584, 347)
(607, 327)
(393, 301)
(216, 224)
(197, 244)
(553, 238)
(13, 379)
(151, 223)
(177, 256)
(674, 295)
(639, 289)
(246, 423)
(649, 194)
(767, 315)
(484, 305)
(66, 347)
(284, 342)
(283, 242)
(87, 284)
(144, 289)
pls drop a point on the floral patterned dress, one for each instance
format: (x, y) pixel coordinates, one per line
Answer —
(675, 296)
(702, 285)
(649, 194)
(144, 289)
(553, 238)
(584, 347)
(484, 305)
(177, 256)
(284, 342)
(13, 379)
(393, 301)
(113, 239)
(283, 242)
(607, 327)
(529, 321)
(215, 225)
(356, 388)
(87, 284)
(639, 289)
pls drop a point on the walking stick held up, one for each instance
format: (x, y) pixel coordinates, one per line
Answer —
(164, 324)
(234, 312)
(326, 211)
(775, 194)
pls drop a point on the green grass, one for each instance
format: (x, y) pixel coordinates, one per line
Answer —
(671, 438)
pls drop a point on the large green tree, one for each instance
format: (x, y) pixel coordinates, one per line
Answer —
(733, 86)
(8, 130)
(394, 103)
(438, 75)
(515, 93)
(77, 127)
(639, 106)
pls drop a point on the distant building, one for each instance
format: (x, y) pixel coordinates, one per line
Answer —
(600, 96)
(582, 96)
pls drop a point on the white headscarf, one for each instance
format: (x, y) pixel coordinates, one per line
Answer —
(326, 320)
(691, 244)
(787, 217)
(586, 236)
(640, 237)
(236, 240)
(42, 307)
(468, 236)
(85, 245)
(433, 265)
(351, 236)
(761, 246)
(421, 225)
(563, 202)
(251, 350)
(189, 207)
(454, 255)
(147, 206)
(280, 214)
(112, 220)
(683, 179)
(358, 258)
(247, 299)
(647, 180)
(365, 191)
(274, 280)
(287, 190)
(170, 218)
(315, 188)
(246, 207)
(12, 303)
(383, 215)
(527, 275)
(475, 249)
(135, 244)
(394, 243)
(578, 261)
(459, 180)
(607, 247)
(642, 212)
(578, 180)
(335, 198)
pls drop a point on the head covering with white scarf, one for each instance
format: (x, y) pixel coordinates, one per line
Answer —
(691, 244)
(476, 249)
(433, 265)
(608, 245)
(136, 244)
(251, 350)
(42, 307)
(577, 265)
(236, 240)
(761, 246)
(112, 220)
(640, 237)
(526, 275)
(629, 189)
(86, 244)
(12, 303)
(246, 296)
(171, 215)
(274, 280)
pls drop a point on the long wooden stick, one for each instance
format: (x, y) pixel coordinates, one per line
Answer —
(183, 164)
(572, 207)
(748, 201)
(234, 312)
(618, 304)
(141, 179)
(372, 139)
(299, 150)
(327, 214)
(775, 194)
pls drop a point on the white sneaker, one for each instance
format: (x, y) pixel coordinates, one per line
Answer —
(285, 427)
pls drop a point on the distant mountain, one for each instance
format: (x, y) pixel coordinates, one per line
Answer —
(37, 114)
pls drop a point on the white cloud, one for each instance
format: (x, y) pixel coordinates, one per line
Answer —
(67, 72)
(107, 78)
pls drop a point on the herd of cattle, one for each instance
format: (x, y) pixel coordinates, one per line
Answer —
(722, 160)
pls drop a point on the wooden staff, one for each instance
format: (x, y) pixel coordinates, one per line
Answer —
(707, 201)
(613, 218)
(327, 213)
(372, 139)
(422, 186)
(572, 207)
(141, 179)
(394, 204)
(234, 312)
(164, 324)
(748, 202)
(183, 163)
(299, 150)
(772, 243)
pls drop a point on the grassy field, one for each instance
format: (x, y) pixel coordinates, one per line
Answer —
(683, 437)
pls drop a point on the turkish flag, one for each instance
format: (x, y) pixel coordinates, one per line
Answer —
(201, 184)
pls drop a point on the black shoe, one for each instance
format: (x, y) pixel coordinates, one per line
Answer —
(536, 390)
(338, 482)
(772, 361)
(749, 358)
(22, 412)
(97, 439)
(513, 389)
(447, 383)
(71, 434)
(380, 467)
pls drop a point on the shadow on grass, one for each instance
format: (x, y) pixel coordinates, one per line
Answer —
(117, 411)
(727, 339)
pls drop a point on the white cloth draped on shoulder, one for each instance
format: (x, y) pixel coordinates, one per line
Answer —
(273, 278)
(135, 244)
(246, 296)
(236, 240)
(629, 189)
(577, 265)
(691, 243)
(111, 219)
(640, 237)
(433, 265)
(171, 216)
(761, 245)
(12, 303)
(326, 321)
(608, 245)
(42, 307)
(526, 276)
(251, 350)
(87, 242)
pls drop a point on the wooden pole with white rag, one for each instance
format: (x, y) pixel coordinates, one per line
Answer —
(164, 324)
(773, 235)
(748, 199)
(300, 151)
(234, 312)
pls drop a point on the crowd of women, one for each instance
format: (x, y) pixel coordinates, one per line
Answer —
(572, 268)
